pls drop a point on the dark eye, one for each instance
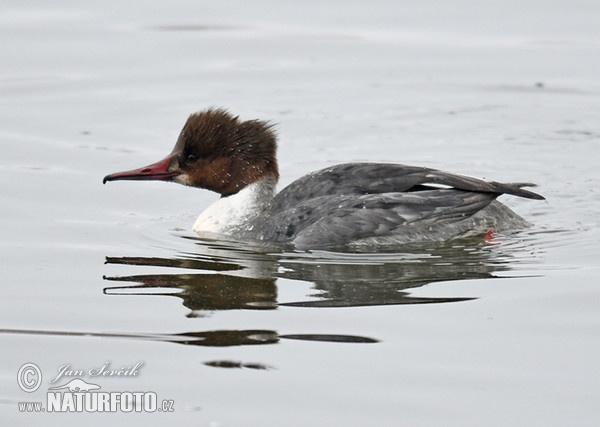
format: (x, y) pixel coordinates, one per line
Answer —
(190, 158)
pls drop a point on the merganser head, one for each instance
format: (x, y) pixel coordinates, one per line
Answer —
(216, 151)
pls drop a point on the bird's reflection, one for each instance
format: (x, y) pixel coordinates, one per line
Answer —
(202, 292)
(232, 276)
(226, 276)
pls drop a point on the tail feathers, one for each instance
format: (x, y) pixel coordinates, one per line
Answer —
(516, 189)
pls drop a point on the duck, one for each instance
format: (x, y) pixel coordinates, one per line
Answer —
(360, 205)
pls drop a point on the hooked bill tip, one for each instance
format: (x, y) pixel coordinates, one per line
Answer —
(106, 179)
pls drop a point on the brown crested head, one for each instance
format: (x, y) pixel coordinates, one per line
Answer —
(217, 151)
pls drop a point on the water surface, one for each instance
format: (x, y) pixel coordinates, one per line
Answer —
(466, 333)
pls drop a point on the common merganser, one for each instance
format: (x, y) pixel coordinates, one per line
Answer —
(353, 204)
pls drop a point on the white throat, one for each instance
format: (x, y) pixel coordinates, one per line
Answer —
(235, 213)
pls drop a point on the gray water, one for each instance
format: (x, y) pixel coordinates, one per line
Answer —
(464, 334)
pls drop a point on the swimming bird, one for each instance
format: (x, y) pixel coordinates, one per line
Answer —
(353, 204)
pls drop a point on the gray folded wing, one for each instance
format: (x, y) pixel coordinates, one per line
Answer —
(341, 218)
(376, 178)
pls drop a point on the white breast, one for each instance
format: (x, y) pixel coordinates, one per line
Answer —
(229, 214)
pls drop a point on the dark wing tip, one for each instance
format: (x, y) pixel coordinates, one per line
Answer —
(524, 193)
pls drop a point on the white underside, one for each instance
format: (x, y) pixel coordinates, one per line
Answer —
(232, 213)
